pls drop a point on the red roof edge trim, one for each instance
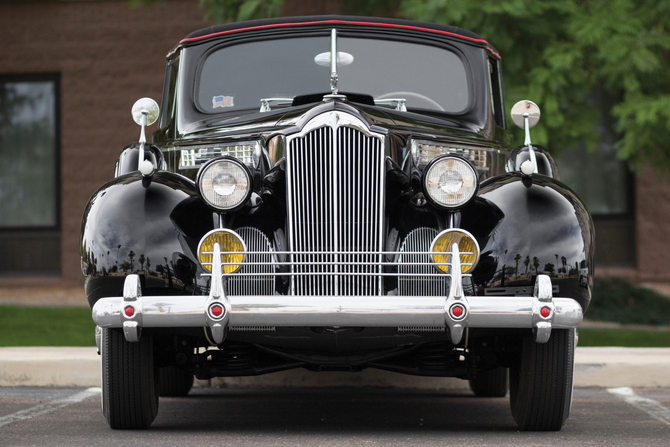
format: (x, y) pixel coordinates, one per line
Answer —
(338, 22)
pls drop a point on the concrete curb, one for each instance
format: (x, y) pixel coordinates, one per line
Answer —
(80, 367)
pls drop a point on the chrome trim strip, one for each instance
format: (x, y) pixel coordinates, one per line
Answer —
(420, 329)
(341, 252)
(192, 157)
(344, 262)
(289, 204)
(381, 210)
(327, 274)
(252, 329)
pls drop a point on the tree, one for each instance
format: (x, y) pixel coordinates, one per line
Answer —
(517, 258)
(223, 11)
(560, 53)
(131, 255)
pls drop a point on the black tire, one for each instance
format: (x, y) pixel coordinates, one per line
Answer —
(541, 383)
(491, 383)
(174, 382)
(129, 381)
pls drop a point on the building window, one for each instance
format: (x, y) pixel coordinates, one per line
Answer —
(29, 175)
(605, 185)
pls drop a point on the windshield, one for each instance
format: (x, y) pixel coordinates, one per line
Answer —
(240, 76)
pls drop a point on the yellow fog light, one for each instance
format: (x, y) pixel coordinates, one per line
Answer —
(232, 250)
(467, 246)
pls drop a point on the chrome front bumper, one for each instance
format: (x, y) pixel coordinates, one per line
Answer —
(350, 311)
(455, 312)
(347, 311)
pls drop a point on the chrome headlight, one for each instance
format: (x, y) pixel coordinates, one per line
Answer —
(224, 183)
(450, 182)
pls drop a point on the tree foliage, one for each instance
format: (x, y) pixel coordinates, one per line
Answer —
(224, 11)
(563, 54)
(584, 62)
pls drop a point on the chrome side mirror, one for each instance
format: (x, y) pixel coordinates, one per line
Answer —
(145, 112)
(145, 107)
(526, 114)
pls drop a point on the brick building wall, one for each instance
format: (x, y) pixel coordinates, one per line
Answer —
(652, 221)
(108, 55)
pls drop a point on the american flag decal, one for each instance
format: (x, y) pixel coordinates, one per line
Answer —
(222, 101)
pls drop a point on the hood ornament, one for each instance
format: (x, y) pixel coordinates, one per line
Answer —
(333, 62)
(334, 78)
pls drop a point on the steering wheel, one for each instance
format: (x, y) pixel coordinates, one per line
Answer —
(431, 104)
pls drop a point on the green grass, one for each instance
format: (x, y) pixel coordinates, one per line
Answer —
(46, 326)
(614, 300)
(624, 338)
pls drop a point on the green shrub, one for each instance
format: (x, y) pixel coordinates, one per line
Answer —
(620, 301)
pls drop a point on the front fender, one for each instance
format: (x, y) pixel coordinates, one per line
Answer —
(127, 228)
(544, 229)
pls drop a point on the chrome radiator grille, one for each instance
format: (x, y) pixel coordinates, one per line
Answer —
(255, 277)
(335, 187)
(416, 271)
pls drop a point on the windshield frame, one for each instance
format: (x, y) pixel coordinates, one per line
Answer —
(443, 46)
(191, 119)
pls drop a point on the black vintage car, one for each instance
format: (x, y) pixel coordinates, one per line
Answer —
(335, 194)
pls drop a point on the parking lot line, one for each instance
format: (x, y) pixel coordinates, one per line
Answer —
(48, 407)
(650, 406)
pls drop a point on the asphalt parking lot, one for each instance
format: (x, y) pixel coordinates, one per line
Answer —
(338, 416)
(51, 397)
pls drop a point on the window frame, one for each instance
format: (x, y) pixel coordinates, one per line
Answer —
(30, 242)
(55, 79)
